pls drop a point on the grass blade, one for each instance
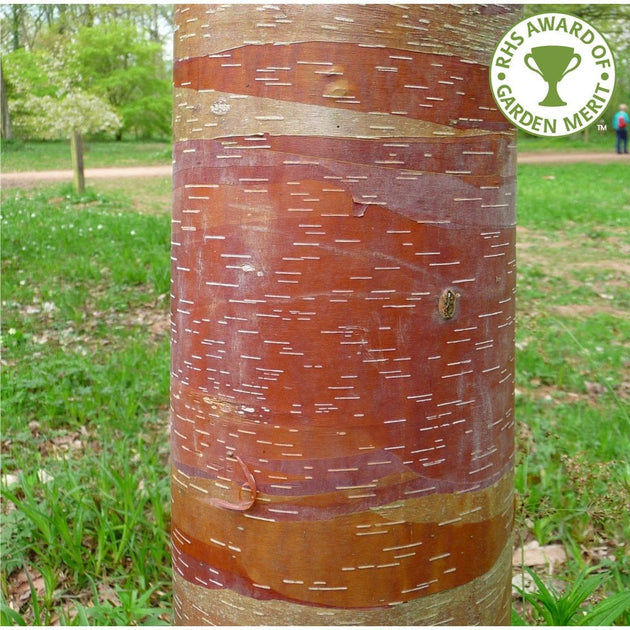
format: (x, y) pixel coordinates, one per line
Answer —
(606, 612)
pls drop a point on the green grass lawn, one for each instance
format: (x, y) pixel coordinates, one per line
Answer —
(85, 488)
(85, 400)
(55, 155)
(598, 141)
(573, 367)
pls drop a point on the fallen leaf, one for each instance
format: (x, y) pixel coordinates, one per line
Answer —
(595, 555)
(107, 593)
(9, 480)
(594, 389)
(523, 582)
(19, 587)
(533, 555)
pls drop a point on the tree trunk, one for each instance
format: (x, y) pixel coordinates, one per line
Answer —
(16, 12)
(5, 115)
(76, 149)
(342, 316)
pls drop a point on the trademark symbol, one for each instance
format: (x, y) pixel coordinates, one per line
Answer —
(602, 127)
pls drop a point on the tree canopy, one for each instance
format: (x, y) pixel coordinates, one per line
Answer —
(87, 63)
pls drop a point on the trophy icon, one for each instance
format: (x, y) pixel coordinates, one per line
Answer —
(552, 64)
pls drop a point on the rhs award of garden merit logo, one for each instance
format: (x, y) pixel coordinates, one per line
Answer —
(552, 74)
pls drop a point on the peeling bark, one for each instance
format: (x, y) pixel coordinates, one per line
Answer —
(343, 268)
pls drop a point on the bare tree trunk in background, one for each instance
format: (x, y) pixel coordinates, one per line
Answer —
(343, 317)
(5, 115)
(76, 150)
(16, 15)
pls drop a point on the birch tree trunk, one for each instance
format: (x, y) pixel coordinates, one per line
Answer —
(343, 268)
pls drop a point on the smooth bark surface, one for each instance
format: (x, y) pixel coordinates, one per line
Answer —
(76, 150)
(343, 269)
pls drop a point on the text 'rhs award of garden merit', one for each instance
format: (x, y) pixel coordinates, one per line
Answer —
(552, 74)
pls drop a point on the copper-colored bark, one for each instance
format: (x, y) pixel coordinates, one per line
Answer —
(343, 317)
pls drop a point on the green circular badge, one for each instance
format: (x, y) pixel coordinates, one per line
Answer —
(552, 74)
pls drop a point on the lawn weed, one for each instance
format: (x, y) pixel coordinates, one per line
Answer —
(570, 608)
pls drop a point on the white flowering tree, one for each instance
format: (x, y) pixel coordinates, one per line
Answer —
(52, 117)
(48, 101)
(71, 115)
(121, 60)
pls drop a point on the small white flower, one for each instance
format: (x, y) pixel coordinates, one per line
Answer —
(43, 476)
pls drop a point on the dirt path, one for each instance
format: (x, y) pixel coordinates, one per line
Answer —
(29, 179)
(566, 158)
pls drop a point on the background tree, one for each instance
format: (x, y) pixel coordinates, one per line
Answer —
(58, 116)
(5, 119)
(75, 114)
(124, 68)
(119, 53)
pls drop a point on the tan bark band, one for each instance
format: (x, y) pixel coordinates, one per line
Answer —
(212, 114)
(474, 603)
(376, 557)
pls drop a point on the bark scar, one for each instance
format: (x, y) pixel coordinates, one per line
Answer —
(244, 504)
(447, 303)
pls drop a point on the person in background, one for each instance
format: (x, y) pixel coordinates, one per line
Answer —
(621, 120)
